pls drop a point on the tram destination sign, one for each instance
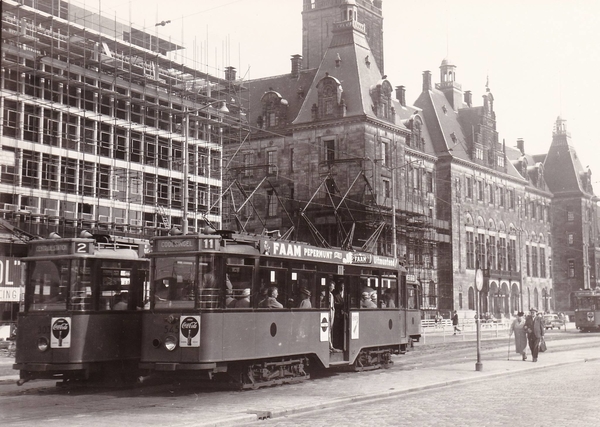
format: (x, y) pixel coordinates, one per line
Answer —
(62, 247)
(185, 244)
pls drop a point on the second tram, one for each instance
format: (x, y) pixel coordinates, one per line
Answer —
(587, 310)
(257, 311)
(82, 309)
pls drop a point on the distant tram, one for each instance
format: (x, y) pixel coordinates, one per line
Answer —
(256, 311)
(587, 310)
(82, 310)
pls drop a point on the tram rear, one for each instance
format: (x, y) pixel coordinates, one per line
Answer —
(257, 311)
(82, 310)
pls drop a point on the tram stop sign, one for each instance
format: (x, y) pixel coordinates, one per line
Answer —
(479, 279)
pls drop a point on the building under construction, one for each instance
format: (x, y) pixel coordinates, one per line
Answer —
(98, 123)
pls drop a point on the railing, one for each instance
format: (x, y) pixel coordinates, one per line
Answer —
(468, 328)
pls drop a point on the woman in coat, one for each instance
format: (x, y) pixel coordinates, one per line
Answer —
(518, 328)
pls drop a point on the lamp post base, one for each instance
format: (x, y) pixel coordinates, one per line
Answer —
(479, 366)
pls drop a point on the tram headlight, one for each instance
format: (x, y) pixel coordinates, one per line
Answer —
(170, 343)
(42, 344)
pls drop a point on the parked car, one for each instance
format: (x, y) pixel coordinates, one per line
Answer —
(552, 321)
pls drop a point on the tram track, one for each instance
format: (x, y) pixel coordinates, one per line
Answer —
(419, 357)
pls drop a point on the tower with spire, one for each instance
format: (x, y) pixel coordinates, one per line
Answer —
(319, 16)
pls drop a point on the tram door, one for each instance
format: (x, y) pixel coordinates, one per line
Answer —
(340, 330)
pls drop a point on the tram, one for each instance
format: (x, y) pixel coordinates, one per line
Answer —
(257, 311)
(82, 310)
(587, 310)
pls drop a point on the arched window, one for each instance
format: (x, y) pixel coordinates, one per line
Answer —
(471, 298)
(274, 110)
(381, 95)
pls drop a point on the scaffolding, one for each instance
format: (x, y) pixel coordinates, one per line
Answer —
(97, 116)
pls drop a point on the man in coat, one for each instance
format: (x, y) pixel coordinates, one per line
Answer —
(534, 326)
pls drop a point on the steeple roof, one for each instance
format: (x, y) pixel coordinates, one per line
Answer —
(349, 60)
(568, 175)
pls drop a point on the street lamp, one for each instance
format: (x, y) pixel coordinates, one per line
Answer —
(222, 109)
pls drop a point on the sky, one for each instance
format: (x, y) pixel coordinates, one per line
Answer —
(539, 56)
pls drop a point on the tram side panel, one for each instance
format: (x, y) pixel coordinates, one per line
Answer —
(233, 336)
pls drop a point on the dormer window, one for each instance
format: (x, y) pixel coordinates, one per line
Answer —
(381, 95)
(274, 110)
(331, 104)
(415, 124)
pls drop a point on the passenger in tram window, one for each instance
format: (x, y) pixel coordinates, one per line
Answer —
(244, 300)
(263, 298)
(374, 299)
(229, 299)
(272, 298)
(323, 299)
(304, 298)
(388, 299)
(123, 301)
(365, 301)
(330, 299)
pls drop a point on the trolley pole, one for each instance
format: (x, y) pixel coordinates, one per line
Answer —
(478, 288)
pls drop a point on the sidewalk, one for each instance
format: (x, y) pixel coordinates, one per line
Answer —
(354, 388)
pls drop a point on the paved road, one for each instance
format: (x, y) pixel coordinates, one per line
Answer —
(565, 395)
(428, 368)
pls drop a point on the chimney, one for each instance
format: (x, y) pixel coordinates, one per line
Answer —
(468, 98)
(427, 81)
(230, 74)
(521, 145)
(296, 65)
(401, 95)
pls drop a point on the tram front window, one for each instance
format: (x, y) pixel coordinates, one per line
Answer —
(47, 285)
(59, 285)
(174, 282)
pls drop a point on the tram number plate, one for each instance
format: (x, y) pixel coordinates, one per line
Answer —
(43, 329)
(171, 329)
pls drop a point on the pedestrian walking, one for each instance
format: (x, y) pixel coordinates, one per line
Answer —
(455, 322)
(534, 325)
(518, 328)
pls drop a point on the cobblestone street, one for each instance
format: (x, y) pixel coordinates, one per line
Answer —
(563, 396)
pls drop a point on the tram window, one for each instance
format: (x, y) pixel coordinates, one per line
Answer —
(80, 295)
(271, 278)
(411, 297)
(389, 293)
(367, 292)
(115, 282)
(303, 289)
(46, 288)
(174, 282)
(238, 284)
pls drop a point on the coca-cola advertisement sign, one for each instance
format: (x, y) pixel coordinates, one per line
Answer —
(189, 331)
(60, 332)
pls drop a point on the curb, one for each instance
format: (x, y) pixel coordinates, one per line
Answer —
(336, 403)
